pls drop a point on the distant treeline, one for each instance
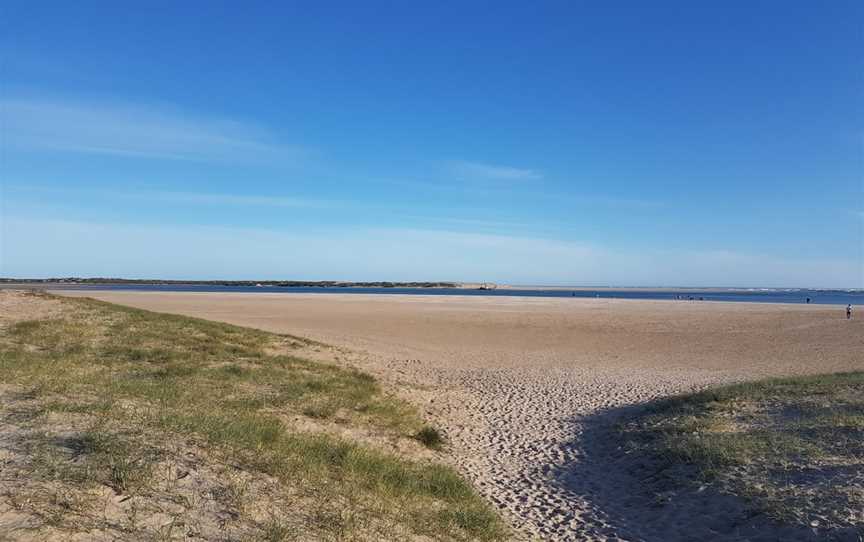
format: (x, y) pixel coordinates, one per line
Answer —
(282, 283)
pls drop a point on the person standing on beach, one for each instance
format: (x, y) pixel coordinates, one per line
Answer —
(849, 311)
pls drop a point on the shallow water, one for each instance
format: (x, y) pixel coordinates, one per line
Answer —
(831, 297)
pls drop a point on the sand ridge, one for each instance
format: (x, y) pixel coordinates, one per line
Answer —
(526, 388)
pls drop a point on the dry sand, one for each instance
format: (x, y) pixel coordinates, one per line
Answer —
(527, 388)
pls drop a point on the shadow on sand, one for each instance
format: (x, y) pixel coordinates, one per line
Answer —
(641, 498)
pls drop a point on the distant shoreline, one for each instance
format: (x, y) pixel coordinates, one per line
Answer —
(90, 282)
(244, 283)
(673, 289)
(793, 296)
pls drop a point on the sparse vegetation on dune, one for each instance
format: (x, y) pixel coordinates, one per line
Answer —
(139, 424)
(793, 448)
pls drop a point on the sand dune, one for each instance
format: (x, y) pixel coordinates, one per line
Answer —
(523, 386)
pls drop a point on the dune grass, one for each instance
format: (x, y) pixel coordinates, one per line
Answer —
(141, 377)
(430, 437)
(792, 447)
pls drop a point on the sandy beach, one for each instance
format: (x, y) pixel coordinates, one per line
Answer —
(525, 388)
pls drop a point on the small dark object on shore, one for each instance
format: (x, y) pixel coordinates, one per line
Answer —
(430, 437)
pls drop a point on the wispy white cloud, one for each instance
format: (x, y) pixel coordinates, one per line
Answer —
(184, 197)
(231, 199)
(471, 222)
(135, 131)
(61, 248)
(477, 170)
(523, 190)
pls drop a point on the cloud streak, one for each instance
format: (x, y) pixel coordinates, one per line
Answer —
(138, 132)
(477, 170)
(231, 199)
(62, 248)
(183, 197)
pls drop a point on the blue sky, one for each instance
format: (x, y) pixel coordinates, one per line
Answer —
(596, 143)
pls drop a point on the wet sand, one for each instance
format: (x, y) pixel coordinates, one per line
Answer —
(521, 385)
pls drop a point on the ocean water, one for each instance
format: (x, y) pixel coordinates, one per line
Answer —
(762, 295)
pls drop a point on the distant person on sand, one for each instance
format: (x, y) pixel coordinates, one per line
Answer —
(807, 300)
(849, 311)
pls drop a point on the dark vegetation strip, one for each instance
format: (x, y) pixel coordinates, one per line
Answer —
(282, 283)
(792, 447)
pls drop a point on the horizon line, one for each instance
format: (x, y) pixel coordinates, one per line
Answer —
(94, 280)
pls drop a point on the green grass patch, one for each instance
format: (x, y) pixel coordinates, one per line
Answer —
(96, 456)
(219, 384)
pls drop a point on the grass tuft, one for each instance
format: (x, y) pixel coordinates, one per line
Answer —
(430, 437)
(274, 530)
